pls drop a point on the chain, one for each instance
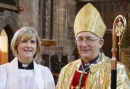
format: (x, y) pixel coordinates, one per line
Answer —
(81, 76)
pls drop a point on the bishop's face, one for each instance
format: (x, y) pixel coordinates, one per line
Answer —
(26, 50)
(88, 45)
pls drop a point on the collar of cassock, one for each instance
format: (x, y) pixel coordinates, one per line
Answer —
(88, 64)
(13, 75)
(25, 66)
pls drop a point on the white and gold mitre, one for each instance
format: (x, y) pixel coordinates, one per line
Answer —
(89, 19)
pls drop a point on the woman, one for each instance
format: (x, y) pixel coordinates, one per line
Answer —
(23, 72)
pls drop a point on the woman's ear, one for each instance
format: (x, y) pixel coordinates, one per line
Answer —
(101, 42)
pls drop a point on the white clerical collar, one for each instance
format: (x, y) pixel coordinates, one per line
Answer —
(87, 64)
(24, 65)
(13, 72)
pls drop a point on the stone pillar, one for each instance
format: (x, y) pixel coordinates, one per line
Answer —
(29, 17)
(71, 13)
(63, 29)
(61, 22)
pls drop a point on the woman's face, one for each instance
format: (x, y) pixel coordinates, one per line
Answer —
(26, 50)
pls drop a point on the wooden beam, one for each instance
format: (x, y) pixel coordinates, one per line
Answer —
(48, 43)
(10, 7)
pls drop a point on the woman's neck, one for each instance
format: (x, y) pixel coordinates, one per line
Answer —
(25, 60)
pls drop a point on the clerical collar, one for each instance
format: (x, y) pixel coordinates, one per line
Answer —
(88, 64)
(25, 66)
(91, 62)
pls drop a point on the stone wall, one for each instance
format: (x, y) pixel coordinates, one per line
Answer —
(29, 17)
(63, 33)
(12, 20)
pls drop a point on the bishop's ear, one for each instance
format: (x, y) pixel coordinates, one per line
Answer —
(101, 42)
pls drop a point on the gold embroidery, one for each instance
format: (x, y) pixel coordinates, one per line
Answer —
(82, 88)
(77, 87)
(72, 87)
(119, 28)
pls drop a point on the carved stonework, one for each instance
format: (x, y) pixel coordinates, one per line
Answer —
(111, 8)
(117, 7)
(71, 12)
(56, 65)
(10, 25)
(104, 8)
(125, 57)
(124, 7)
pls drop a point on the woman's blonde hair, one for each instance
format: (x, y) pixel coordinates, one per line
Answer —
(25, 33)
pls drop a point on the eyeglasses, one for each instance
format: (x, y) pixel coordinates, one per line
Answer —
(87, 41)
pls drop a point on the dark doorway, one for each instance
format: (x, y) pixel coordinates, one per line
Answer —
(10, 34)
(10, 25)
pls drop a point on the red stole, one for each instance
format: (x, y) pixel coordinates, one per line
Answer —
(75, 80)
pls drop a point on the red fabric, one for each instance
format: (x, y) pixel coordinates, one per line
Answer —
(76, 78)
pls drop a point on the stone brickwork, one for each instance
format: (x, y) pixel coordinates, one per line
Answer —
(62, 34)
(11, 20)
(29, 17)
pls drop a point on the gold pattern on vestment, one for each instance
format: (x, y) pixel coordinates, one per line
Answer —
(76, 87)
(99, 78)
(72, 87)
(82, 88)
(125, 58)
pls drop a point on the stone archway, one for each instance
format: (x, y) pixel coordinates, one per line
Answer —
(10, 25)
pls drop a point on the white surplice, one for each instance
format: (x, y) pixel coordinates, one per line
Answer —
(13, 78)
